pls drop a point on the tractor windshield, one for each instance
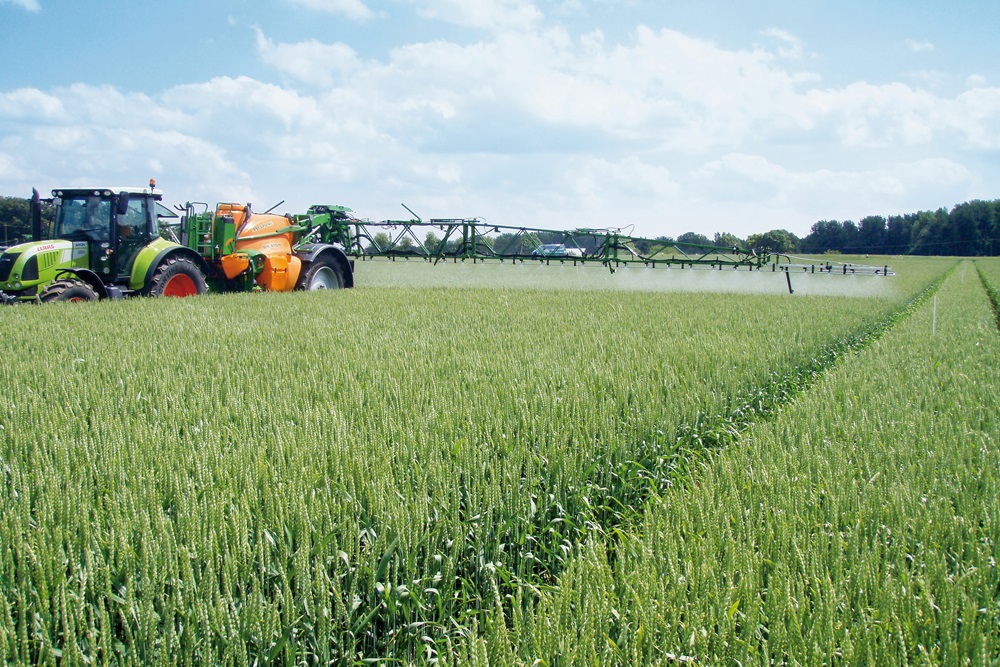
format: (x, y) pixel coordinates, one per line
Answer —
(83, 218)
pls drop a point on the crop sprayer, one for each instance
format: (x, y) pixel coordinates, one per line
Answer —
(109, 243)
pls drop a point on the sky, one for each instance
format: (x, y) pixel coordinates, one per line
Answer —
(656, 116)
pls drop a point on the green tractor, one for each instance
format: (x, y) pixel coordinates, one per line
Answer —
(105, 244)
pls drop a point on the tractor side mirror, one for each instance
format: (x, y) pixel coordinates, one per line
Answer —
(122, 207)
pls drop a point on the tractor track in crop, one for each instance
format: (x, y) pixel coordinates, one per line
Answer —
(992, 292)
(673, 461)
(697, 441)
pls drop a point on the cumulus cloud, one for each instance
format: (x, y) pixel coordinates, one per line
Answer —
(30, 5)
(354, 9)
(790, 46)
(975, 115)
(30, 103)
(484, 14)
(919, 45)
(310, 62)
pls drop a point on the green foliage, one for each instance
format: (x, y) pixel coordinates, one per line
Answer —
(775, 241)
(15, 216)
(380, 240)
(727, 240)
(969, 229)
(15, 219)
(693, 238)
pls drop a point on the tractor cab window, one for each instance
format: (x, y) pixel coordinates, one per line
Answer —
(163, 213)
(83, 219)
(132, 225)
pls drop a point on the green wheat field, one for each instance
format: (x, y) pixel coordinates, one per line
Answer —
(500, 465)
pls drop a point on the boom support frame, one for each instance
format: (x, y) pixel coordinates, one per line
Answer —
(473, 239)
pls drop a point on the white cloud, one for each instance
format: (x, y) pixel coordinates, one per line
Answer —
(310, 62)
(919, 45)
(30, 5)
(791, 46)
(975, 115)
(870, 116)
(30, 103)
(485, 14)
(354, 9)
(530, 124)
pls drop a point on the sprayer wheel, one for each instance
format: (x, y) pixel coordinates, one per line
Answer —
(321, 274)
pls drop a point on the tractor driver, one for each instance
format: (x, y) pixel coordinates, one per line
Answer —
(85, 218)
(133, 223)
(98, 217)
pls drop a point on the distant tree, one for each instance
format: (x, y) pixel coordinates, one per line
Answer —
(380, 241)
(993, 234)
(927, 232)
(15, 219)
(646, 246)
(15, 216)
(529, 242)
(850, 237)
(776, 241)
(431, 242)
(897, 237)
(824, 236)
(871, 234)
(650, 247)
(511, 243)
(693, 238)
(969, 227)
(727, 240)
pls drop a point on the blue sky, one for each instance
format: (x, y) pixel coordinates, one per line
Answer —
(672, 116)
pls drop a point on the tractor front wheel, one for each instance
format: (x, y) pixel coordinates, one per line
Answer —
(324, 273)
(177, 276)
(70, 289)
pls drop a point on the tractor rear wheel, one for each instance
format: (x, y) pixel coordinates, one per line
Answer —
(69, 289)
(324, 273)
(177, 276)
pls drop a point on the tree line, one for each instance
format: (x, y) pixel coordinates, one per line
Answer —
(968, 229)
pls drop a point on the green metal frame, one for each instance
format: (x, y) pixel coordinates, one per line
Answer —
(465, 239)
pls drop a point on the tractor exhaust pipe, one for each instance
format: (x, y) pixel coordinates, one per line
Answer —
(36, 215)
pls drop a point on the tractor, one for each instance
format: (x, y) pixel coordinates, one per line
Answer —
(105, 243)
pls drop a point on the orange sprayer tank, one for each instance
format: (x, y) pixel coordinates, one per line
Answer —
(263, 233)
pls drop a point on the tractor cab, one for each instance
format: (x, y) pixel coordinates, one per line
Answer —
(107, 226)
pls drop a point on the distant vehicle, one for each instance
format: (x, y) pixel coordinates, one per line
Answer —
(556, 250)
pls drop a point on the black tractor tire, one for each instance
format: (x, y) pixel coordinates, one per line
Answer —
(177, 276)
(69, 289)
(323, 273)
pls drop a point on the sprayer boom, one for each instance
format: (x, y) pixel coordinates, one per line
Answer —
(473, 239)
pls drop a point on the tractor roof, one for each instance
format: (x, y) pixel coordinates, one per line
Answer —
(105, 191)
